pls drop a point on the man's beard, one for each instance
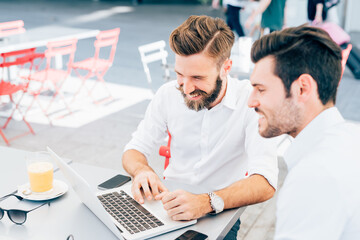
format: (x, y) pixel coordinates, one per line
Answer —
(284, 121)
(207, 98)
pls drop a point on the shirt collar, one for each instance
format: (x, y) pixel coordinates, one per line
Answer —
(230, 97)
(310, 134)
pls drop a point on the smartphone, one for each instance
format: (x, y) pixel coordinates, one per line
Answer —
(114, 182)
(192, 235)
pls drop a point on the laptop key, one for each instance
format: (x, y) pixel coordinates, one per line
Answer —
(129, 213)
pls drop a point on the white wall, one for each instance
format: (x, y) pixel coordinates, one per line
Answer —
(352, 15)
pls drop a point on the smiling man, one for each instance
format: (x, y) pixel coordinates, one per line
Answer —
(215, 142)
(295, 80)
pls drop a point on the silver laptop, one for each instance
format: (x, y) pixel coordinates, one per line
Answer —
(119, 211)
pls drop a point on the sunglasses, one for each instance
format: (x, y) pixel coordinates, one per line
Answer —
(17, 216)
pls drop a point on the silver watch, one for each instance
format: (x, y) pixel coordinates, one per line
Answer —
(216, 202)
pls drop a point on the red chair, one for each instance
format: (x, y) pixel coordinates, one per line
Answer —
(345, 55)
(165, 152)
(11, 28)
(22, 59)
(96, 66)
(52, 79)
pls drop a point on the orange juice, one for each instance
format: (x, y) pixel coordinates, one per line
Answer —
(40, 176)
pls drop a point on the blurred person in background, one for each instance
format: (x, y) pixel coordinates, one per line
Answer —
(273, 15)
(316, 11)
(232, 10)
(320, 11)
(215, 4)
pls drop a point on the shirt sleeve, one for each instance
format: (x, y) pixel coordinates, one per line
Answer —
(151, 131)
(262, 152)
(310, 207)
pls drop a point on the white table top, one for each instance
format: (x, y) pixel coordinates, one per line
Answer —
(38, 37)
(68, 215)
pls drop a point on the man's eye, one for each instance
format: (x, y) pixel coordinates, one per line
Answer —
(261, 90)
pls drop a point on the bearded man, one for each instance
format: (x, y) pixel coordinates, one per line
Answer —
(215, 142)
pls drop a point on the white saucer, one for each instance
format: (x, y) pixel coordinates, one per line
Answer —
(59, 189)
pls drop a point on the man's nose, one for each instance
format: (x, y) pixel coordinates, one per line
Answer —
(188, 86)
(253, 102)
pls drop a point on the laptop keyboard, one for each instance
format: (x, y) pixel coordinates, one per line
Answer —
(129, 213)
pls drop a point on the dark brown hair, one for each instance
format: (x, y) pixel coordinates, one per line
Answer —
(203, 33)
(300, 50)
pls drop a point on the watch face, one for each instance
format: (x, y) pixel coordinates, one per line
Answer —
(216, 203)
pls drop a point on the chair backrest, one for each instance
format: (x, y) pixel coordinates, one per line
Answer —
(18, 58)
(11, 28)
(61, 48)
(107, 38)
(345, 55)
(151, 53)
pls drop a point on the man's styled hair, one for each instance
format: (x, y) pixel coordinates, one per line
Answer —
(300, 50)
(203, 33)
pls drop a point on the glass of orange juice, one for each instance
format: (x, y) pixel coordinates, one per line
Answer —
(40, 171)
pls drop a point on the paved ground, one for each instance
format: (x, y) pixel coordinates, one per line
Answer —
(97, 134)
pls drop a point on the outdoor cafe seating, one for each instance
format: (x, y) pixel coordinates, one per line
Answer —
(97, 66)
(11, 28)
(17, 86)
(154, 53)
(51, 78)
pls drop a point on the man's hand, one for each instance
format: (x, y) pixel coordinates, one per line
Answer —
(150, 184)
(182, 205)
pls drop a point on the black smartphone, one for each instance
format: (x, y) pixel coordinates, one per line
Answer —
(114, 182)
(192, 235)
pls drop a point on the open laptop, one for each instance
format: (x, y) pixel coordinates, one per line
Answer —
(119, 211)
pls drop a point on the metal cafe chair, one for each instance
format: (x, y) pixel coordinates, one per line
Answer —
(51, 78)
(154, 52)
(11, 28)
(23, 59)
(97, 66)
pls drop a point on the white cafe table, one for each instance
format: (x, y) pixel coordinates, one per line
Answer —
(40, 36)
(68, 215)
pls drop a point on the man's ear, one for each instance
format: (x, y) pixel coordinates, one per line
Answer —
(226, 67)
(304, 87)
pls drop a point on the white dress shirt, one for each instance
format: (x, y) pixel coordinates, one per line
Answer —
(213, 148)
(320, 198)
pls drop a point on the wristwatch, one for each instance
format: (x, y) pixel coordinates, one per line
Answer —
(216, 202)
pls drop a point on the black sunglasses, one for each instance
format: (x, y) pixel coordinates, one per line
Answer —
(17, 216)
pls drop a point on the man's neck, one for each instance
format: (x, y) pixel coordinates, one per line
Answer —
(311, 114)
